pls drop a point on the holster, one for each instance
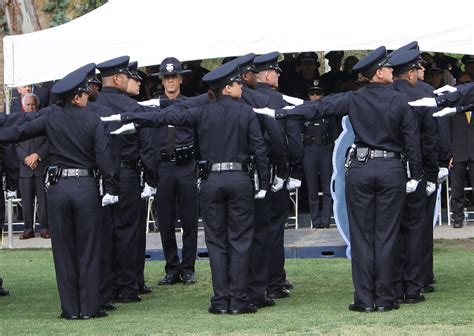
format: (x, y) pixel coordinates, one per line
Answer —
(350, 154)
(52, 174)
(203, 168)
(253, 173)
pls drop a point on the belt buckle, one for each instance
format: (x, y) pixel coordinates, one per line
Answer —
(219, 167)
(77, 173)
(231, 166)
(384, 154)
(372, 153)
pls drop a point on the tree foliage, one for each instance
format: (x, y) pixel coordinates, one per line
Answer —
(62, 11)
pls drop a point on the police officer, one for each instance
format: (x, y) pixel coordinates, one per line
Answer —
(277, 155)
(227, 132)
(318, 139)
(133, 90)
(78, 144)
(375, 181)
(331, 81)
(178, 189)
(135, 150)
(407, 273)
(267, 83)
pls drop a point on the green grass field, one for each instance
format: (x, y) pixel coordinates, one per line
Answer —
(318, 304)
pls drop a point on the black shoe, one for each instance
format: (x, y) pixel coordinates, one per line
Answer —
(145, 289)
(325, 226)
(388, 308)
(68, 317)
(217, 311)
(250, 309)
(266, 302)
(288, 285)
(279, 294)
(412, 299)
(457, 225)
(101, 313)
(109, 305)
(359, 308)
(4, 292)
(169, 279)
(188, 279)
(128, 299)
(428, 289)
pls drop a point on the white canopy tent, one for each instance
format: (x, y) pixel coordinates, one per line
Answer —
(150, 30)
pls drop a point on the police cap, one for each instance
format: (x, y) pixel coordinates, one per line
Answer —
(466, 59)
(223, 75)
(246, 63)
(405, 60)
(334, 55)
(374, 60)
(114, 66)
(267, 62)
(133, 69)
(171, 66)
(307, 56)
(72, 84)
(315, 88)
(410, 46)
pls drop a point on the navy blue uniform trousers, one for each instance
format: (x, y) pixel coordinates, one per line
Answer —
(227, 208)
(375, 195)
(74, 211)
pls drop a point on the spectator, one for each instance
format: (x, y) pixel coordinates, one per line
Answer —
(33, 159)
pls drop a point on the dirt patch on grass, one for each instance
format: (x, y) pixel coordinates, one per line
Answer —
(458, 244)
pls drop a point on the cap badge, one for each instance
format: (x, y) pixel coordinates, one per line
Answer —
(169, 67)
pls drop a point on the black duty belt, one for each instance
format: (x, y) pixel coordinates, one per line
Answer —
(179, 155)
(227, 166)
(73, 172)
(378, 153)
(128, 164)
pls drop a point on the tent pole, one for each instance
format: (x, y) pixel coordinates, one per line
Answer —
(8, 92)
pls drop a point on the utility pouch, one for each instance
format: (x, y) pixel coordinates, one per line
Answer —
(362, 154)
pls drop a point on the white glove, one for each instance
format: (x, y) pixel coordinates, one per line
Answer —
(430, 102)
(277, 183)
(293, 184)
(447, 111)
(125, 129)
(443, 174)
(411, 186)
(267, 111)
(151, 102)
(148, 191)
(445, 89)
(113, 117)
(109, 199)
(261, 194)
(293, 100)
(430, 188)
(11, 194)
